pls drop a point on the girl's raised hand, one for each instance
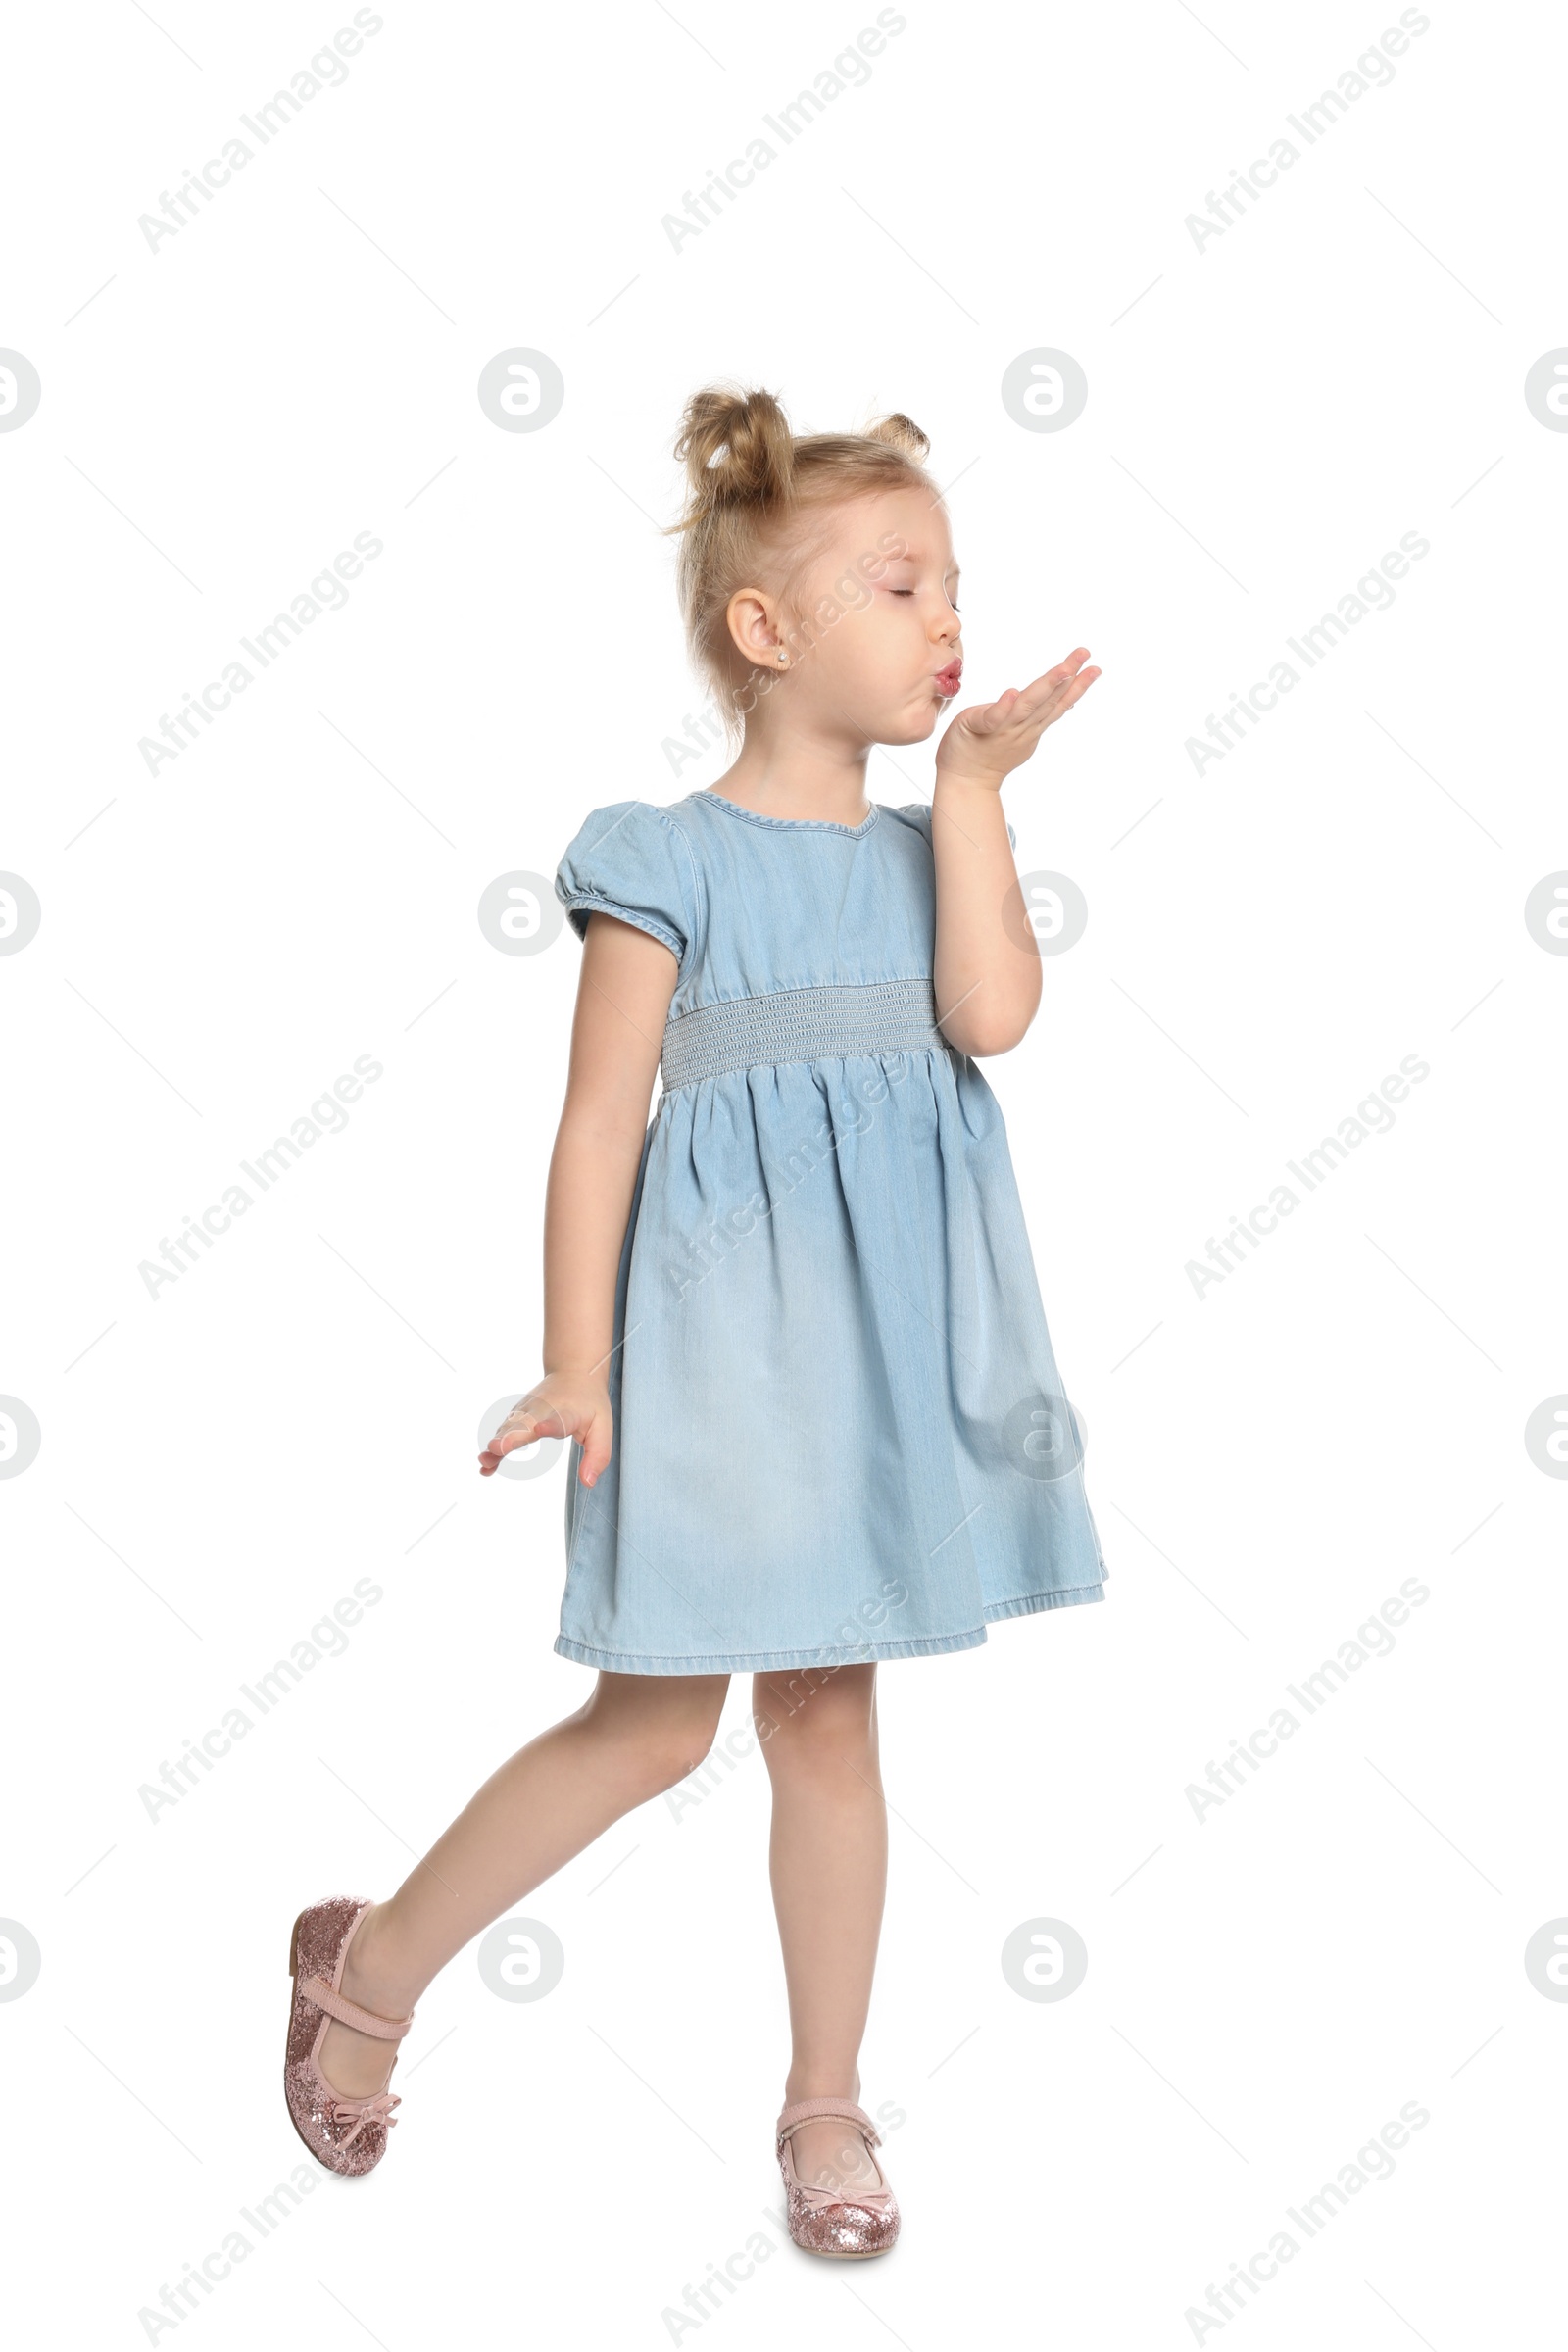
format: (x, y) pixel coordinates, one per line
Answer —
(561, 1406)
(988, 741)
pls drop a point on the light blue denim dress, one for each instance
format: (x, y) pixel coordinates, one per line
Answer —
(840, 1434)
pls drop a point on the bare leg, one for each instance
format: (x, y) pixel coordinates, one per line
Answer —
(637, 1735)
(828, 1861)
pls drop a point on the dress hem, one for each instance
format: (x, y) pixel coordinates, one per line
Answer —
(769, 1661)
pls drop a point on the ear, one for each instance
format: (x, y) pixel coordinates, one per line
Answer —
(755, 620)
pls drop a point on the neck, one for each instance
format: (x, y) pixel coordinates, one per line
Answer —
(788, 774)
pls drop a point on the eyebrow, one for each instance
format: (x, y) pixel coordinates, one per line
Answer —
(916, 554)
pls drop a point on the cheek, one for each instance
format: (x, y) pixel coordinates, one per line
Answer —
(853, 639)
(870, 651)
(887, 650)
(897, 646)
(897, 625)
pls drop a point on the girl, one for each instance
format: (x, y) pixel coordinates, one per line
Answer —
(793, 1329)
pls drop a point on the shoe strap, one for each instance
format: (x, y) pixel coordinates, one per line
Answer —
(348, 2013)
(806, 2111)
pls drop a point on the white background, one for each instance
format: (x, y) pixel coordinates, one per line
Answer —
(1266, 416)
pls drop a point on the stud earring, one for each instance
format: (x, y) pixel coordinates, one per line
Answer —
(783, 659)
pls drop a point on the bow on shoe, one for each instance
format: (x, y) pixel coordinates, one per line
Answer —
(360, 2112)
(874, 2201)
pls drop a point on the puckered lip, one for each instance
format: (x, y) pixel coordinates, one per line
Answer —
(947, 677)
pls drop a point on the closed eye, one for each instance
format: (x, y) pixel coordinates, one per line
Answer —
(914, 592)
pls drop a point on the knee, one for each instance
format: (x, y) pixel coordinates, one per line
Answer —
(653, 1755)
(816, 1724)
(674, 1755)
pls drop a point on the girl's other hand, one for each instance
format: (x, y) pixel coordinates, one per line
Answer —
(562, 1404)
(986, 741)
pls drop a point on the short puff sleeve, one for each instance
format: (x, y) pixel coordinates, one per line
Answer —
(631, 862)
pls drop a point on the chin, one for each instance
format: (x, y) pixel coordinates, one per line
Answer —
(910, 726)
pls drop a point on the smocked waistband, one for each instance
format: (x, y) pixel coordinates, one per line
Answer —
(799, 1024)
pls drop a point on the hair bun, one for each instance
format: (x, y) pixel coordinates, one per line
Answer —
(899, 432)
(736, 445)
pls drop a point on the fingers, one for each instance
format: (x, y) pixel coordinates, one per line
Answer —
(595, 1435)
(526, 1425)
(1059, 688)
(1045, 699)
(984, 718)
(512, 1433)
(1062, 700)
(596, 1444)
(521, 1428)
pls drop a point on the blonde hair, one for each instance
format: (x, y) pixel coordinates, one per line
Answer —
(754, 490)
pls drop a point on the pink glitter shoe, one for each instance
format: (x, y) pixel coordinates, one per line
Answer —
(849, 2227)
(347, 2136)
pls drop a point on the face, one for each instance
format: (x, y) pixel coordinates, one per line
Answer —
(871, 627)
